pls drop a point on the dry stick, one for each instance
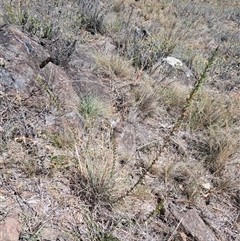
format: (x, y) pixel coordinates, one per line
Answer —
(176, 126)
(175, 230)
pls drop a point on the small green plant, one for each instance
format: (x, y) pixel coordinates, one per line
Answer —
(91, 108)
(62, 139)
(14, 12)
(22, 15)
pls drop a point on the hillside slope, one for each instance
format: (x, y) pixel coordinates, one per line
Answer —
(119, 120)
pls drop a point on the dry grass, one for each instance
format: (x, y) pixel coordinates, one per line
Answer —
(213, 109)
(209, 108)
(189, 169)
(173, 95)
(145, 99)
(97, 179)
(114, 66)
(217, 147)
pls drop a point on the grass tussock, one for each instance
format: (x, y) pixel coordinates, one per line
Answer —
(145, 100)
(217, 147)
(213, 109)
(97, 172)
(173, 95)
(92, 108)
(115, 66)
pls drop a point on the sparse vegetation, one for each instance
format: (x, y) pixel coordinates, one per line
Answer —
(183, 131)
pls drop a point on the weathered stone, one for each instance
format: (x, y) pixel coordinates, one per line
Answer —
(57, 84)
(81, 60)
(86, 87)
(23, 56)
(194, 225)
(37, 92)
(125, 137)
(10, 229)
(107, 46)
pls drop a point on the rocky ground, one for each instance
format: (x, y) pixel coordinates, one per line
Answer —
(76, 136)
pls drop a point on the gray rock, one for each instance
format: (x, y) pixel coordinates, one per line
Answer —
(193, 224)
(10, 229)
(35, 91)
(178, 64)
(125, 137)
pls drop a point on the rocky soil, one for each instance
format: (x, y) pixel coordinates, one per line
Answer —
(44, 135)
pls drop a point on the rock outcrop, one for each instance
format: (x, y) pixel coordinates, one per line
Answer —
(31, 91)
